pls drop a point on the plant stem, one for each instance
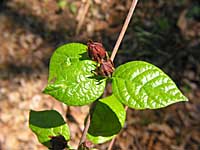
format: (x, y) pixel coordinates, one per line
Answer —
(83, 137)
(111, 143)
(113, 140)
(124, 28)
(114, 52)
(115, 49)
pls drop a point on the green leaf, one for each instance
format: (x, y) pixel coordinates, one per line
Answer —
(71, 76)
(108, 118)
(46, 124)
(141, 85)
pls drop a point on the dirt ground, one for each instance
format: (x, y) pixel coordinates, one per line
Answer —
(165, 33)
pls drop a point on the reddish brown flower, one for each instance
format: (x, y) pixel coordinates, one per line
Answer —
(96, 51)
(106, 68)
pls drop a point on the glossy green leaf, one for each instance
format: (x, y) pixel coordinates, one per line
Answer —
(108, 118)
(141, 85)
(71, 76)
(46, 124)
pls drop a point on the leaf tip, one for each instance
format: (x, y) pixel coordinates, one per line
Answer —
(185, 99)
(45, 90)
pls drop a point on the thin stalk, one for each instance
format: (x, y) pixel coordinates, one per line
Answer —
(124, 28)
(87, 125)
(83, 137)
(111, 143)
(113, 140)
(116, 47)
(114, 52)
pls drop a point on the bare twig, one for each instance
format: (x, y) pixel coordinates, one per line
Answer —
(83, 137)
(113, 140)
(80, 23)
(111, 143)
(126, 23)
(119, 40)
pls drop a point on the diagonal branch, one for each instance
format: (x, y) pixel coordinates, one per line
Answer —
(124, 28)
(119, 40)
(114, 52)
(113, 140)
(87, 125)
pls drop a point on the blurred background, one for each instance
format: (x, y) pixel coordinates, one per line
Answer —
(165, 33)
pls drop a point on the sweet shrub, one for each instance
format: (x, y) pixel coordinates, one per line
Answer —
(78, 76)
